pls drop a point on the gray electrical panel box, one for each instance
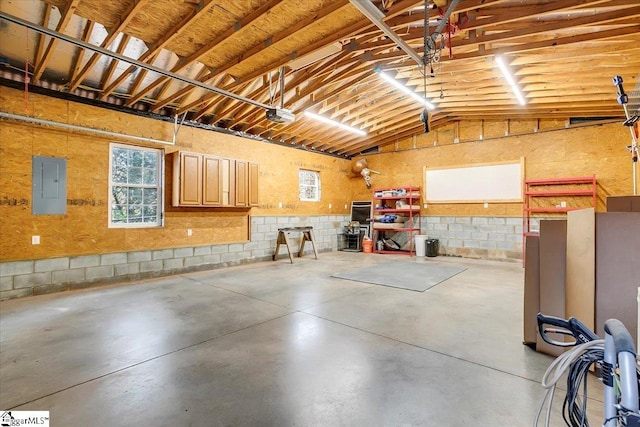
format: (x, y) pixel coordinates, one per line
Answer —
(49, 195)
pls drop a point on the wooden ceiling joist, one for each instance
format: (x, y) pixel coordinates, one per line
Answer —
(562, 54)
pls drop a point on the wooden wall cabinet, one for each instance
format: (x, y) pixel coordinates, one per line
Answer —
(211, 181)
(203, 180)
(254, 172)
(187, 179)
(242, 183)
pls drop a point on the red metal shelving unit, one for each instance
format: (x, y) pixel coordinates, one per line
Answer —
(582, 187)
(412, 215)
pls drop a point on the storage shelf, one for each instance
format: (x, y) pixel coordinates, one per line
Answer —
(559, 193)
(396, 229)
(550, 210)
(401, 210)
(562, 181)
(397, 197)
(586, 188)
(399, 251)
(410, 212)
(404, 187)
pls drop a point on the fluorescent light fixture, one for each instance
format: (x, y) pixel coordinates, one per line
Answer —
(406, 90)
(331, 122)
(509, 77)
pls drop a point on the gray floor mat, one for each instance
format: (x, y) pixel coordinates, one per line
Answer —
(413, 276)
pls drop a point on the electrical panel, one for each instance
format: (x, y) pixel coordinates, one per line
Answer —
(49, 196)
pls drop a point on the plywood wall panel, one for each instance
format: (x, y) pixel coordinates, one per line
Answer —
(15, 149)
(551, 124)
(446, 134)
(406, 144)
(52, 143)
(580, 151)
(84, 228)
(47, 108)
(494, 129)
(522, 127)
(389, 148)
(470, 130)
(427, 139)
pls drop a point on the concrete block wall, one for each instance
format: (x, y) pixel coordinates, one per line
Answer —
(497, 238)
(42, 276)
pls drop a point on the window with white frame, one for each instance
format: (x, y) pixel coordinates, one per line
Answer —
(135, 186)
(309, 185)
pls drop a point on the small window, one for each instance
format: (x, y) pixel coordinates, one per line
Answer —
(309, 185)
(135, 187)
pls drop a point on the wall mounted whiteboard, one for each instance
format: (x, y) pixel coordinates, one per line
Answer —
(495, 182)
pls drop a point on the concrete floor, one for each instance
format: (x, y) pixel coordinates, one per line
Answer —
(277, 344)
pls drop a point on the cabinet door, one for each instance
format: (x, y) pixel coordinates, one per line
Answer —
(228, 182)
(253, 184)
(187, 182)
(212, 181)
(242, 183)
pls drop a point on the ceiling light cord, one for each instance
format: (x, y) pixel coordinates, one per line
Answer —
(425, 113)
(425, 33)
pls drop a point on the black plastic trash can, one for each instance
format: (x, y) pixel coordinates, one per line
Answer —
(432, 247)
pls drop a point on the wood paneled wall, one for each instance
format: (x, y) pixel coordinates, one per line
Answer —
(83, 230)
(551, 151)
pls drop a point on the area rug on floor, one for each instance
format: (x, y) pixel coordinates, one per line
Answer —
(414, 276)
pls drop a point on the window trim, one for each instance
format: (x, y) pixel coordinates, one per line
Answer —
(318, 186)
(160, 186)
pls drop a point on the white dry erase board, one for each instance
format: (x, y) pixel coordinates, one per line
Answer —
(489, 182)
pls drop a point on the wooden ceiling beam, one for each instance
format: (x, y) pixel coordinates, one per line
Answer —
(598, 51)
(86, 35)
(553, 26)
(467, 6)
(497, 17)
(208, 97)
(65, 18)
(529, 46)
(252, 90)
(150, 54)
(198, 54)
(121, 24)
(317, 100)
(271, 41)
(344, 33)
(510, 13)
(114, 62)
(299, 78)
(204, 76)
(41, 37)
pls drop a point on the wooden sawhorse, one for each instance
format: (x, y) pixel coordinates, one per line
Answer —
(283, 239)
